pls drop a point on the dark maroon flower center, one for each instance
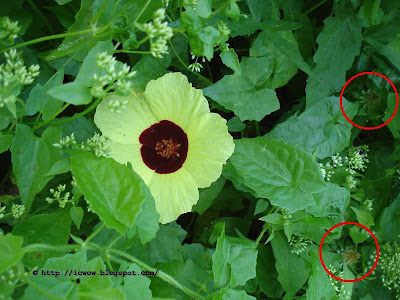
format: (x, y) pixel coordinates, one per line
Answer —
(164, 147)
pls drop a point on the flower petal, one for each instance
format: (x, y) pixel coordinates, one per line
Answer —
(174, 194)
(210, 146)
(171, 97)
(123, 153)
(124, 127)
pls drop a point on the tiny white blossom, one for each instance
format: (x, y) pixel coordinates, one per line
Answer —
(17, 210)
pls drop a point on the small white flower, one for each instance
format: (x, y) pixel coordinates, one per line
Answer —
(17, 210)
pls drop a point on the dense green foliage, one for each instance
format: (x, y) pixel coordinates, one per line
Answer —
(274, 69)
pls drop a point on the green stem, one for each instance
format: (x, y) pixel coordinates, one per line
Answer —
(377, 179)
(217, 11)
(47, 38)
(94, 233)
(45, 247)
(131, 51)
(186, 66)
(142, 11)
(52, 117)
(315, 7)
(261, 234)
(164, 276)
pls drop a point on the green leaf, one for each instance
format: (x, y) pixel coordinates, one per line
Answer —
(283, 69)
(231, 60)
(319, 285)
(60, 167)
(338, 45)
(76, 214)
(230, 294)
(5, 141)
(288, 49)
(245, 94)
(363, 217)
(149, 68)
(372, 11)
(347, 287)
(50, 229)
(234, 261)
(394, 124)
(274, 218)
(321, 128)
(137, 287)
(73, 92)
(67, 287)
(261, 206)
(389, 221)
(208, 195)
(10, 251)
(267, 276)
(277, 171)
(114, 191)
(39, 100)
(292, 269)
(385, 32)
(358, 234)
(333, 200)
(203, 8)
(235, 125)
(32, 158)
(89, 66)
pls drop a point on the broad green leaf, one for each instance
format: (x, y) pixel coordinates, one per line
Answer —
(208, 195)
(89, 66)
(5, 141)
(385, 32)
(146, 222)
(333, 200)
(394, 124)
(66, 286)
(372, 11)
(245, 94)
(39, 100)
(32, 158)
(389, 221)
(82, 128)
(76, 214)
(61, 166)
(234, 261)
(292, 269)
(230, 294)
(235, 125)
(10, 251)
(113, 191)
(267, 276)
(137, 287)
(347, 287)
(338, 45)
(50, 229)
(72, 92)
(277, 171)
(274, 218)
(363, 217)
(261, 206)
(231, 60)
(203, 8)
(358, 234)
(283, 69)
(149, 68)
(263, 10)
(319, 285)
(321, 128)
(289, 49)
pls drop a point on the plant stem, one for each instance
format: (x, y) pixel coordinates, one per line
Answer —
(52, 117)
(45, 247)
(186, 66)
(164, 276)
(315, 7)
(47, 38)
(265, 227)
(94, 233)
(132, 51)
(142, 11)
(377, 179)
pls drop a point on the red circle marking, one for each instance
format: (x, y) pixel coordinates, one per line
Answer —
(369, 73)
(377, 252)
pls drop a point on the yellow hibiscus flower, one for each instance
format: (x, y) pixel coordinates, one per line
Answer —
(172, 140)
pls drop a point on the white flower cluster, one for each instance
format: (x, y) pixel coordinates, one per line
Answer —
(298, 244)
(224, 30)
(337, 285)
(356, 159)
(113, 79)
(17, 210)
(389, 266)
(13, 276)
(196, 66)
(159, 33)
(97, 144)
(192, 3)
(9, 30)
(286, 216)
(62, 200)
(14, 74)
